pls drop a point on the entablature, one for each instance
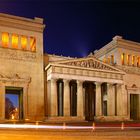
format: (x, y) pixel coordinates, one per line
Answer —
(57, 71)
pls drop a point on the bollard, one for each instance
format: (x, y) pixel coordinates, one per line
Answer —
(64, 126)
(36, 123)
(122, 126)
(14, 123)
(93, 126)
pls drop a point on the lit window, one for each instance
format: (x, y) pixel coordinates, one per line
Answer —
(32, 44)
(15, 41)
(122, 58)
(138, 63)
(133, 60)
(104, 60)
(5, 39)
(23, 42)
(128, 59)
(108, 60)
(112, 59)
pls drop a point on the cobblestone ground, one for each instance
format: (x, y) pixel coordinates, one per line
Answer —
(35, 134)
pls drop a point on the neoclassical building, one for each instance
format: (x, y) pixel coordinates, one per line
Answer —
(103, 86)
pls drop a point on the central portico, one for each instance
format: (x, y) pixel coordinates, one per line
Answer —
(84, 89)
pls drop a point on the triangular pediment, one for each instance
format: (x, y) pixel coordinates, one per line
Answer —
(88, 62)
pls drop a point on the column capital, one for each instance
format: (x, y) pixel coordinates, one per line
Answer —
(97, 83)
(66, 80)
(53, 80)
(79, 81)
(118, 84)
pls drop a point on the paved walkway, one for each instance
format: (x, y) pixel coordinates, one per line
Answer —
(38, 134)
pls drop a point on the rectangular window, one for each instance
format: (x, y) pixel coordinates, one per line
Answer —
(15, 41)
(104, 60)
(5, 39)
(108, 59)
(112, 59)
(133, 60)
(24, 42)
(128, 60)
(32, 44)
(138, 62)
(122, 58)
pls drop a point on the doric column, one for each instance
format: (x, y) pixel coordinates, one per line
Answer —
(98, 99)
(80, 99)
(66, 98)
(60, 98)
(53, 97)
(119, 100)
(111, 99)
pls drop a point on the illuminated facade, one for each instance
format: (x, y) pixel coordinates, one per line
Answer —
(21, 59)
(103, 86)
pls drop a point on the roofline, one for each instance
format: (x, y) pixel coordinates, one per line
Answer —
(117, 42)
(35, 24)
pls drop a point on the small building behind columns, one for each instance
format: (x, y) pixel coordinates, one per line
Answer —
(85, 89)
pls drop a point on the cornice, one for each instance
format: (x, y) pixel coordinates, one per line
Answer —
(117, 42)
(35, 24)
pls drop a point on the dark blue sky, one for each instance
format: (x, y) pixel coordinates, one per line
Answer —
(77, 27)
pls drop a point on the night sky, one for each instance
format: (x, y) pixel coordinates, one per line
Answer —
(77, 27)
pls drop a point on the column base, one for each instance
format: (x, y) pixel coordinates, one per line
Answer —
(65, 119)
(111, 118)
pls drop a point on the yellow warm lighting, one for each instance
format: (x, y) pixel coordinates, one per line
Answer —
(138, 61)
(104, 60)
(129, 59)
(112, 59)
(108, 60)
(133, 59)
(24, 42)
(5, 39)
(32, 44)
(122, 58)
(15, 41)
(13, 117)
